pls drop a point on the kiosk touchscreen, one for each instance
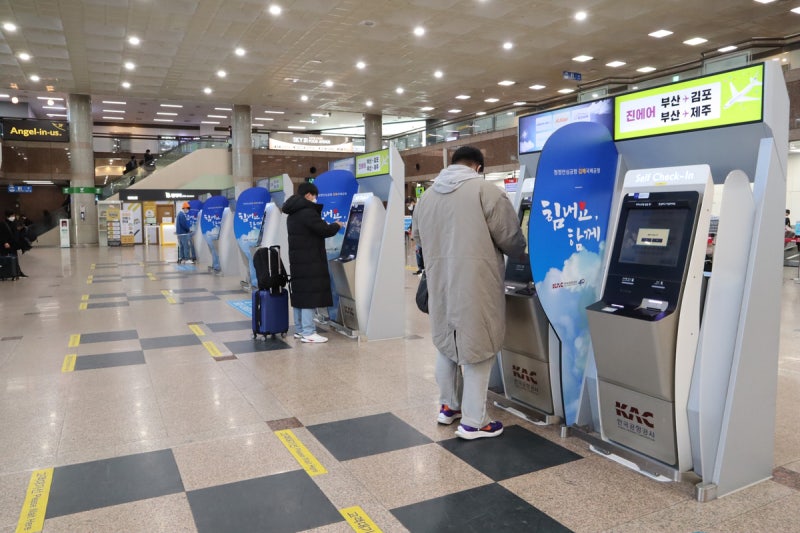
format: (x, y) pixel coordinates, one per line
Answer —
(524, 357)
(352, 234)
(634, 327)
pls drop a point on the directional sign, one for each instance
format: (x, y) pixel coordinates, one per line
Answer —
(575, 76)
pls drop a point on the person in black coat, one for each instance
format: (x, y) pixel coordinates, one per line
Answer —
(11, 239)
(311, 284)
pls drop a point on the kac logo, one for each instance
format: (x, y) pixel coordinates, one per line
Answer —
(631, 413)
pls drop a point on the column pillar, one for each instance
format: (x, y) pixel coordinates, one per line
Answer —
(373, 132)
(242, 151)
(83, 223)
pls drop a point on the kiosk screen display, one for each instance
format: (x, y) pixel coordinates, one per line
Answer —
(352, 233)
(520, 272)
(653, 236)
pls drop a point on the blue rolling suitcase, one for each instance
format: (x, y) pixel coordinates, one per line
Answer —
(270, 313)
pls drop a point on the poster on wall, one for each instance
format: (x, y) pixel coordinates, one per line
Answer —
(126, 227)
(567, 239)
(211, 218)
(136, 220)
(247, 223)
(113, 225)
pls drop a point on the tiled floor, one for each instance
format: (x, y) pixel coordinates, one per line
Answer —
(134, 387)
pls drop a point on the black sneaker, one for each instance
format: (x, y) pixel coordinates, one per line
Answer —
(418, 272)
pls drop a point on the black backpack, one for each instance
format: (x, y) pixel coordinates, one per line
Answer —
(270, 271)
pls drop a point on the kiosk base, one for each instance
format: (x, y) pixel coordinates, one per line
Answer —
(533, 416)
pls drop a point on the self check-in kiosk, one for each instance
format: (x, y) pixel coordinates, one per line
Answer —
(645, 328)
(524, 358)
(354, 270)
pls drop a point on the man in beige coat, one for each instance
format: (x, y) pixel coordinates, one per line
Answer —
(464, 226)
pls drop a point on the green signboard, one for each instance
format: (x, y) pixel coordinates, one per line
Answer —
(724, 99)
(372, 164)
(81, 190)
(418, 190)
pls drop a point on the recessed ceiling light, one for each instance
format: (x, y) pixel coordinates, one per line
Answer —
(113, 102)
(165, 113)
(257, 125)
(580, 15)
(694, 41)
(454, 111)
(312, 121)
(24, 56)
(105, 118)
(321, 115)
(582, 58)
(361, 65)
(537, 87)
(438, 74)
(222, 109)
(506, 83)
(10, 26)
(508, 45)
(113, 111)
(208, 90)
(765, 1)
(795, 10)
(427, 108)
(368, 103)
(50, 98)
(240, 51)
(221, 73)
(419, 31)
(275, 9)
(510, 113)
(171, 105)
(129, 65)
(520, 103)
(328, 83)
(14, 100)
(304, 98)
(615, 64)
(296, 127)
(635, 87)
(62, 108)
(217, 116)
(135, 41)
(274, 112)
(463, 97)
(163, 120)
(491, 100)
(64, 115)
(264, 118)
(658, 34)
(34, 77)
(728, 48)
(399, 90)
(209, 122)
(645, 70)
(4, 95)
(126, 85)
(480, 113)
(566, 91)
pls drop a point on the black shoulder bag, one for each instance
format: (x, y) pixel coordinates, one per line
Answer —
(422, 293)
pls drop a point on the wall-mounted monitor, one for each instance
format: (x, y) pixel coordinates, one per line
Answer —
(534, 130)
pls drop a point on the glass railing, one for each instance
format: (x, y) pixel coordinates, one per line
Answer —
(162, 160)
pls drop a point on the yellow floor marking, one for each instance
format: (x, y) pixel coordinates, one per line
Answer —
(168, 295)
(85, 297)
(212, 349)
(69, 362)
(197, 330)
(152, 276)
(359, 520)
(84, 306)
(92, 267)
(301, 453)
(89, 280)
(31, 518)
(74, 340)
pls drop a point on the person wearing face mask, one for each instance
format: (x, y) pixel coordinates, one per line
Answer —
(9, 244)
(184, 231)
(310, 282)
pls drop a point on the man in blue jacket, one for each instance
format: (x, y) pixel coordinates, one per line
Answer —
(184, 231)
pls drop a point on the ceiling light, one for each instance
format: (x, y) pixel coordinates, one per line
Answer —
(694, 41)
(582, 58)
(463, 97)
(635, 88)
(34, 77)
(162, 120)
(129, 65)
(113, 102)
(506, 83)
(361, 65)
(126, 85)
(208, 90)
(765, 1)
(658, 34)
(222, 109)
(217, 116)
(113, 111)
(399, 90)
(312, 121)
(134, 40)
(566, 91)
(10, 26)
(58, 115)
(328, 83)
(264, 118)
(508, 45)
(275, 9)
(520, 103)
(296, 127)
(209, 122)
(438, 74)
(321, 115)
(368, 103)
(166, 114)
(14, 100)
(454, 111)
(274, 112)
(615, 64)
(171, 105)
(304, 98)
(491, 100)
(419, 31)
(240, 51)
(729, 48)
(645, 70)
(795, 10)
(510, 113)
(221, 73)
(38, 182)
(24, 56)
(50, 101)
(4, 95)
(537, 87)
(257, 125)
(480, 113)
(104, 118)
(49, 98)
(427, 108)
(580, 15)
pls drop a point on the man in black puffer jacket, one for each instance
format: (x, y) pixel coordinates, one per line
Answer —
(311, 284)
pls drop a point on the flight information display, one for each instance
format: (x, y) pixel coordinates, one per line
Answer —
(352, 233)
(653, 236)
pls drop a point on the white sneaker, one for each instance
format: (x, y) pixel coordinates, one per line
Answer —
(314, 337)
(298, 336)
